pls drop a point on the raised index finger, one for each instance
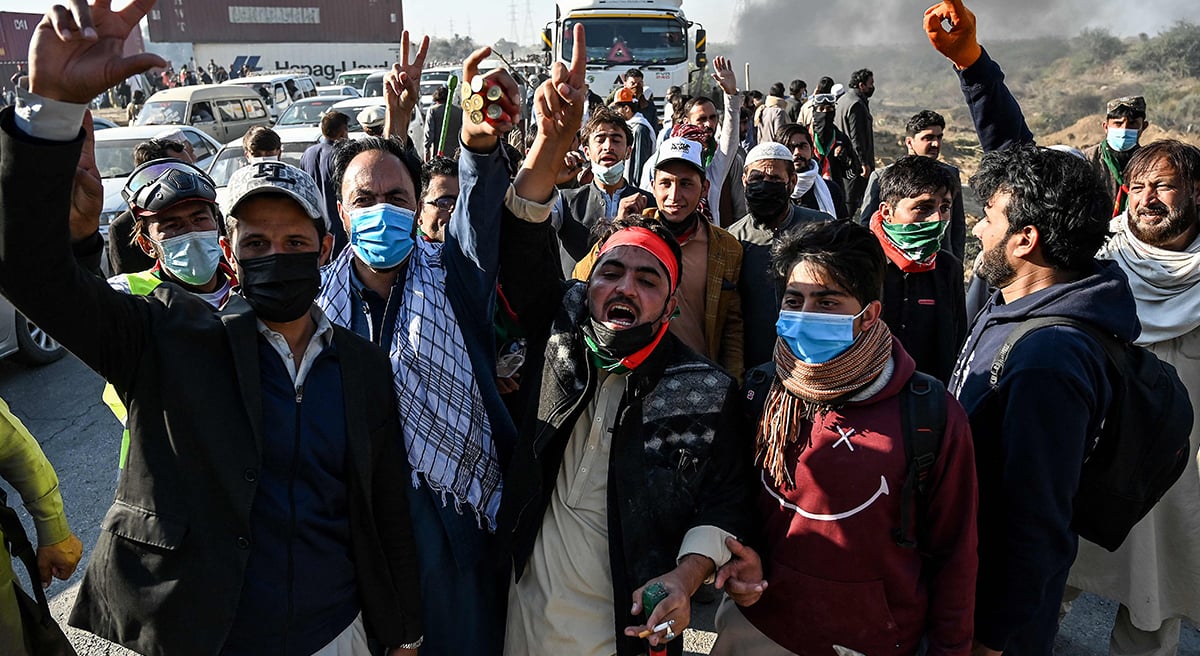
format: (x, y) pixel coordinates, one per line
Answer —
(404, 48)
(579, 55)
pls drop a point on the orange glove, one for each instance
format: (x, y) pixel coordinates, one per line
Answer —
(959, 44)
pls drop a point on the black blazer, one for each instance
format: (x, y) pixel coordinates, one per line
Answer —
(167, 570)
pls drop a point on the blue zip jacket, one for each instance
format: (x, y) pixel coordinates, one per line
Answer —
(1031, 435)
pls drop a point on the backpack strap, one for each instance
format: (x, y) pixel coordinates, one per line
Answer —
(755, 390)
(923, 421)
(1113, 349)
(17, 543)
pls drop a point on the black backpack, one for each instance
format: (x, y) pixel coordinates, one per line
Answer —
(923, 418)
(1143, 446)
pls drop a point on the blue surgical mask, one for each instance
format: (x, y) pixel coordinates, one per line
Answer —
(192, 257)
(1122, 139)
(609, 175)
(382, 235)
(816, 337)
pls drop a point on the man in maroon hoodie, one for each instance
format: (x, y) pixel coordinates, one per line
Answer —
(833, 464)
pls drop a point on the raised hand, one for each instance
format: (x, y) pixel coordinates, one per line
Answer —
(76, 54)
(559, 101)
(87, 194)
(483, 136)
(959, 45)
(723, 75)
(402, 87)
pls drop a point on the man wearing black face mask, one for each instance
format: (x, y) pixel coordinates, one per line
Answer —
(770, 177)
(262, 502)
(833, 151)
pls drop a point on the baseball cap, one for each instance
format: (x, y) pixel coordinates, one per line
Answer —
(277, 178)
(371, 117)
(678, 149)
(1135, 104)
(768, 150)
(624, 96)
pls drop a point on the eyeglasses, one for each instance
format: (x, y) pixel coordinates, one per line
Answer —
(150, 171)
(445, 203)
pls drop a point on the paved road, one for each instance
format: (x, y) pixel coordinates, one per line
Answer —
(60, 404)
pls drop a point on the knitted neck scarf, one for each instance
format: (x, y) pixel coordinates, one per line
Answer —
(802, 391)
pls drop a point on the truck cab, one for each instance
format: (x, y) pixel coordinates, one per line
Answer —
(651, 35)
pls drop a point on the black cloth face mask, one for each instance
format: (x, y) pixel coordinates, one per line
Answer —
(280, 287)
(767, 199)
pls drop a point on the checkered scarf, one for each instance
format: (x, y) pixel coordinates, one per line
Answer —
(442, 417)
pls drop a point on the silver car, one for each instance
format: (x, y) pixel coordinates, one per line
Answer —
(24, 341)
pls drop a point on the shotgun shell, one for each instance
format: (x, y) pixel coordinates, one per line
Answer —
(476, 117)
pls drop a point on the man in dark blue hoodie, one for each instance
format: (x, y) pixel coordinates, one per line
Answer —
(1046, 215)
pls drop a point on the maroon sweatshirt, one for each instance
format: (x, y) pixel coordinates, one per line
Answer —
(836, 574)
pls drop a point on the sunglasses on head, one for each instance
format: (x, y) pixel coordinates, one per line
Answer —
(150, 171)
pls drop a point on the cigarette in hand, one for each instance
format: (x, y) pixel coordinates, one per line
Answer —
(661, 627)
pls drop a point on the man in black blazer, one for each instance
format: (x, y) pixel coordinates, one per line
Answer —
(262, 505)
(607, 143)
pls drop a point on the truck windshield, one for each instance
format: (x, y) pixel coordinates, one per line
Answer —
(629, 40)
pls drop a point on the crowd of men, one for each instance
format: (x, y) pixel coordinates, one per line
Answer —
(474, 400)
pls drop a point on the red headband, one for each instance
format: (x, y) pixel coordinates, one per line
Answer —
(649, 242)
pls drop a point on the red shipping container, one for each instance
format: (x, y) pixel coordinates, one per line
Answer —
(276, 21)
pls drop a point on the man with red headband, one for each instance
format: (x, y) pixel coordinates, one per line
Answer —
(629, 473)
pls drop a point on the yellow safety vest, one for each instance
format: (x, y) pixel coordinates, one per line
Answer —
(140, 284)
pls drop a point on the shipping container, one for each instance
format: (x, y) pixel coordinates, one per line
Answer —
(276, 21)
(323, 61)
(16, 33)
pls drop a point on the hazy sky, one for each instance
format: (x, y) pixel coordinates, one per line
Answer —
(489, 20)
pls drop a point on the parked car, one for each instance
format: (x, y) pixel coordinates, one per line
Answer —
(232, 157)
(339, 90)
(101, 123)
(279, 90)
(24, 341)
(220, 111)
(114, 159)
(308, 112)
(352, 106)
(357, 77)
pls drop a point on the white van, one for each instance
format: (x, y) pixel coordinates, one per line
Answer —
(221, 112)
(278, 90)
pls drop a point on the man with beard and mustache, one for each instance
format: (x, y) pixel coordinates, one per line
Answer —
(710, 308)
(718, 134)
(854, 118)
(263, 501)
(923, 136)
(812, 190)
(629, 472)
(768, 177)
(1046, 214)
(430, 306)
(1155, 574)
(607, 141)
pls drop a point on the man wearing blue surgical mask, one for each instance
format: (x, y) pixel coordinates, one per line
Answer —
(1124, 123)
(837, 465)
(429, 304)
(175, 223)
(606, 143)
